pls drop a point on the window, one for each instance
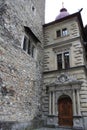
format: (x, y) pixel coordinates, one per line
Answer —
(59, 61)
(58, 33)
(61, 33)
(32, 51)
(64, 32)
(33, 8)
(25, 43)
(63, 61)
(30, 43)
(28, 46)
(66, 60)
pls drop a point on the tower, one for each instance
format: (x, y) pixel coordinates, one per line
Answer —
(65, 73)
(21, 54)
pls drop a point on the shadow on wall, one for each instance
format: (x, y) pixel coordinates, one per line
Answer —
(34, 124)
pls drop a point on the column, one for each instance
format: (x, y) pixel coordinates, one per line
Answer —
(53, 103)
(74, 103)
(78, 103)
(49, 103)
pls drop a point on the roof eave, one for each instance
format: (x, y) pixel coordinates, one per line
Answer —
(62, 19)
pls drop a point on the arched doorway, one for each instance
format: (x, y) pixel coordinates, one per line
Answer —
(65, 116)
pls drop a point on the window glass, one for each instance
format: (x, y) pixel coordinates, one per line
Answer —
(28, 46)
(32, 51)
(58, 33)
(25, 43)
(63, 61)
(64, 32)
(66, 60)
(59, 61)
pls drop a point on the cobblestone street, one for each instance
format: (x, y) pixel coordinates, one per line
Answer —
(61, 128)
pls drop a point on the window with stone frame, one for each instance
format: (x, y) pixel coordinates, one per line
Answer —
(64, 32)
(63, 61)
(30, 42)
(58, 33)
(59, 61)
(66, 60)
(28, 46)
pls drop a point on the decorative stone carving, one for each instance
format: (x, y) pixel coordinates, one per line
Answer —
(77, 123)
(62, 78)
(65, 78)
(64, 82)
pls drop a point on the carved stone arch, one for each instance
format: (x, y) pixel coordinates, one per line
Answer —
(64, 96)
(65, 113)
(63, 93)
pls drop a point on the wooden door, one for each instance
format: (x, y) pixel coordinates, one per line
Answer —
(65, 111)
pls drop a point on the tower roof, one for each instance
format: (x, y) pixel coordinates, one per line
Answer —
(63, 13)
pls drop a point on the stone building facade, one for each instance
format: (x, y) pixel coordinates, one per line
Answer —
(30, 90)
(65, 73)
(21, 56)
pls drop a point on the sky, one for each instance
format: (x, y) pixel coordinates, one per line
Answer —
(53, 7)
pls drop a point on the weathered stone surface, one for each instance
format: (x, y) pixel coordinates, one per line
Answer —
(57, 77)
(20, 74)
(31, 125)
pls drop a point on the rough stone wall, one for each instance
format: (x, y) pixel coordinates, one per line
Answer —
(20, 74)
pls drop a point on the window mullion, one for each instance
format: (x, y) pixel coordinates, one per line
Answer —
(29, 44)
(24, 45)
(63, 66)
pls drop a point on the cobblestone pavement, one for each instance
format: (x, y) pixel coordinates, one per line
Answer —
(44, 128)
(47, 129)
